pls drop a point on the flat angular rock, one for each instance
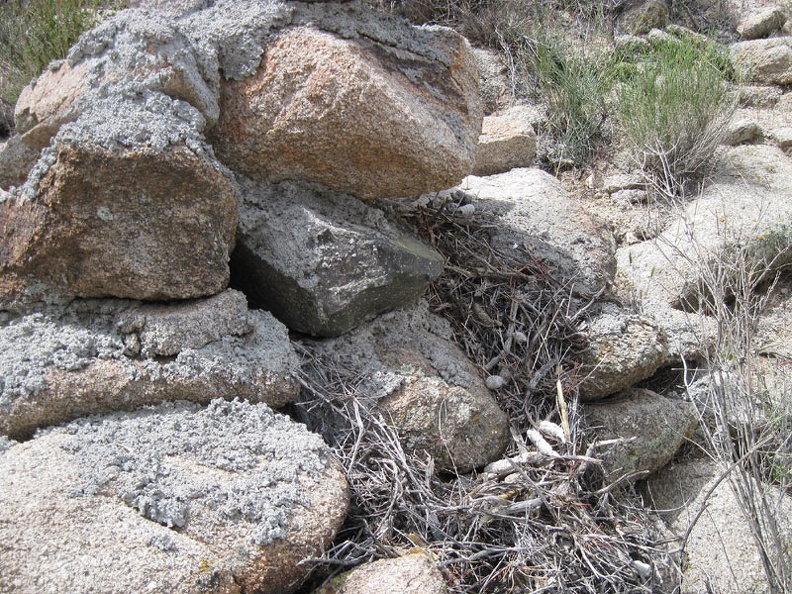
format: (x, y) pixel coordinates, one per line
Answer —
(132, 207)
(171, 500)
(101, 356)
(623, 349)
(358, 116)
(414, 375)
(654, 425)
(324, 262)
(413, 573)
(764, 61)
(532, 209)
(507, 140)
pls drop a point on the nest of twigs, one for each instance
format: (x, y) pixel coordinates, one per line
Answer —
(541, 519)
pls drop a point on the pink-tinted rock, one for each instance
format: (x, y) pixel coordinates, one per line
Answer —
(357, 116)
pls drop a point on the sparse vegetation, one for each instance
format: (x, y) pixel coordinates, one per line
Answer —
(35, 32)
(747, 430)
(673, 104)
(744, 418)
(575, 85)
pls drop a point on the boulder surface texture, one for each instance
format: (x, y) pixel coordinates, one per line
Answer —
(128, 198)
(105, 355)
(325, 262)
(175, 499)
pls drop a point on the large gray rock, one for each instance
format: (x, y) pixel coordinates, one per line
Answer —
(414, 573)
(102, 356)
(171, 500)
(623, 349)
(764, 61)
(654, 427)
(412, 372)
(128, 202)
(531, 209)
(324, 262)
(721, 555)
(355, 114)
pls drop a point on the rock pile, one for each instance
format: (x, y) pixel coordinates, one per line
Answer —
(199, 189)
(167, 140)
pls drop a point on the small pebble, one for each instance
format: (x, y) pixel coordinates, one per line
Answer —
(494, 382)
(466, 210)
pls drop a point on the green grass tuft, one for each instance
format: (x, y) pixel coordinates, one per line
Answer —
(35, 32)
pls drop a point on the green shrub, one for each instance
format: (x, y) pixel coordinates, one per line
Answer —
(575, 85)
(35, 32)
(673, 103)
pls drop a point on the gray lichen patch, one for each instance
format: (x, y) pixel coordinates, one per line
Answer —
(96, 356)
(238, 462)
(31, 344)
(151, 120)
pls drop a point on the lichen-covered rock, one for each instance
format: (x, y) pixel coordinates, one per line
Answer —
(131, 53)
(357, 116)
(170, 500)
(654, 427)
(532, 210)
(324, 262)
(413, 573)
(623, 349)
(764, 61)
(761, 24)
(102, 356)
(411, 372)
(507, 140)
(132, 207)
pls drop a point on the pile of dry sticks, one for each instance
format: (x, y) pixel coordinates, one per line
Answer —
(541, 519)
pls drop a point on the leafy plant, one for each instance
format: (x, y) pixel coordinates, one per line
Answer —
(35, 32)
(673, 103)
